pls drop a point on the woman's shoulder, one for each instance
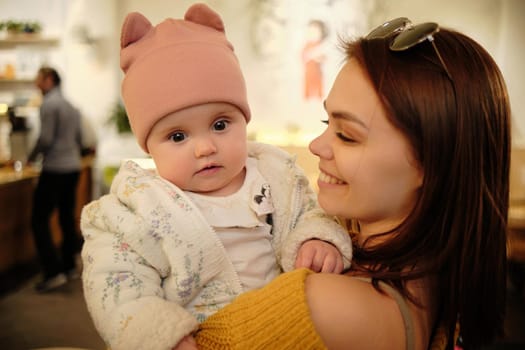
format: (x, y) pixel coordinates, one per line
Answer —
(347, 310)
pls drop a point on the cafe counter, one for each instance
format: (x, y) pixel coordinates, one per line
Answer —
(16, 198)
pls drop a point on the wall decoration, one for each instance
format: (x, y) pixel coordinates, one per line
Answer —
(294, 59)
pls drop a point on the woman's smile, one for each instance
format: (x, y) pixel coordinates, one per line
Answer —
(329, 179)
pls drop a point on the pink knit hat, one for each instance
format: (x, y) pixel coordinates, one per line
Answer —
(175, 65)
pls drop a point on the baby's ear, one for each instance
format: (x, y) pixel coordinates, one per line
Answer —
(202, 14)
(135, 27)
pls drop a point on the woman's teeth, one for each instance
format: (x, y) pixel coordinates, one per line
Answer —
(329, 179)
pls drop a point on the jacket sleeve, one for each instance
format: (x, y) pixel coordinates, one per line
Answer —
(123, 289)
(48, 124)
(311, 222)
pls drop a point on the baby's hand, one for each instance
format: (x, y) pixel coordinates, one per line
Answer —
(186, 343)
(319, 256)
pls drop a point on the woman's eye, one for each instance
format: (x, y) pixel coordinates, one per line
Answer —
(220, 125)
(344, 138)
(177, 137)
(325, 121)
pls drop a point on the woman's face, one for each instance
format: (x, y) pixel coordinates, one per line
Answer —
(367, 168)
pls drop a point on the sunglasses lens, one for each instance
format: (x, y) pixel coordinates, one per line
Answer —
(413, 36)
(389, 28)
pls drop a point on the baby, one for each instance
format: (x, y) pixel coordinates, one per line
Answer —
(216, 215)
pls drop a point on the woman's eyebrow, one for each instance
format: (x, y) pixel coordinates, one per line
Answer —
(346, 116)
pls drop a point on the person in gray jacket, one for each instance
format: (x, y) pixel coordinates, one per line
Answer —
(60, 145)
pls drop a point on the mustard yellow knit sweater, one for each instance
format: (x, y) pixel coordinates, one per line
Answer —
(275, 317)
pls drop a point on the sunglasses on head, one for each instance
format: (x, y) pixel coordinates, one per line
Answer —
(408, 35)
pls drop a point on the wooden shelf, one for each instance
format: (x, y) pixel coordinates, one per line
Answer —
(15, 42)
(16, 81)
(28, 39)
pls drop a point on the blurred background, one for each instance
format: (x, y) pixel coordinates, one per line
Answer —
(275, 41)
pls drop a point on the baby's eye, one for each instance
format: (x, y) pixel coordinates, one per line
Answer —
(177, 136)
(220, 125)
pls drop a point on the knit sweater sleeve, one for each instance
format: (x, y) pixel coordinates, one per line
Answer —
(273, 317)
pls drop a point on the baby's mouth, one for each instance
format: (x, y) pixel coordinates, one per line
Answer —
(208, 168)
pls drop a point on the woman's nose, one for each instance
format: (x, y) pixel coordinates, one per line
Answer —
(321, 147)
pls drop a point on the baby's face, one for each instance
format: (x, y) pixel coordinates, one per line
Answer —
(202, 148)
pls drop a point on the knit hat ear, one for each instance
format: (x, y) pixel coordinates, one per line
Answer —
(178, 63)
(134, 28)
(202, 14)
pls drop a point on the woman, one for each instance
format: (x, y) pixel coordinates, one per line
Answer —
(415, 158)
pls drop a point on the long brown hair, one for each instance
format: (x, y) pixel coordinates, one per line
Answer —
(459, 129)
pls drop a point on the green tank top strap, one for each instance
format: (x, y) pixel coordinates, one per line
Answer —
(403, 308)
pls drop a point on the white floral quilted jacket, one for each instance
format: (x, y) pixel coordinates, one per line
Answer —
(154, 268)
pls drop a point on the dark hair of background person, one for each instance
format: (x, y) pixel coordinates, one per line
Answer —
(50, 72)
(459, 129)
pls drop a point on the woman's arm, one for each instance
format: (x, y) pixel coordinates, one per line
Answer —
(347, 311)
(300, 309)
